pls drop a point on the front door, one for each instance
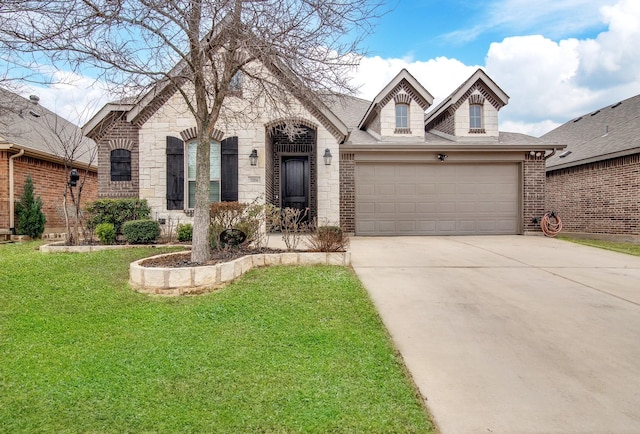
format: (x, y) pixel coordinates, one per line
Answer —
(295, 183)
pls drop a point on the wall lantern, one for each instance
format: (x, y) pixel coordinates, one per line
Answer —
(253, 157)
(327, 157)
(442, 157)
(73, 178)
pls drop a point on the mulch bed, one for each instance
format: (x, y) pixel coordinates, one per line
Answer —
(217, 256)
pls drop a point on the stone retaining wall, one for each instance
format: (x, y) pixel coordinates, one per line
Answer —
(194, 280)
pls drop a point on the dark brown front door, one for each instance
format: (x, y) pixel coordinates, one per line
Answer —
(295, 182)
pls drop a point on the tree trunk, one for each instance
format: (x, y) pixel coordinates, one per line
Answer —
(201, 247)
(69, 241)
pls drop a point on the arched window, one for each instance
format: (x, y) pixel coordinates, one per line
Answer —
(214, 173)
(120, 165)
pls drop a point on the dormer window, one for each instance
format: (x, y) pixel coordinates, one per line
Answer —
(235, 85)
(402, 113)
(402, 116)
(475, 114)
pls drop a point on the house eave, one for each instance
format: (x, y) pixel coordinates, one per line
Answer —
(590, 160)
(491, 147)
(102, 114)
(34, 153)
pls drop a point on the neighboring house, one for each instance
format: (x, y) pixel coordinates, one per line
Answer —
(392, 171)
(594, 184)
(34, 141)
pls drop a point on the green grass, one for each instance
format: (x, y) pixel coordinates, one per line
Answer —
(628, 248)
(282, 350)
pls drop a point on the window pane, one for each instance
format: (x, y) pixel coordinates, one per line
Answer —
(214, 192)
(402, 118)
(214, 173)
(475, 116)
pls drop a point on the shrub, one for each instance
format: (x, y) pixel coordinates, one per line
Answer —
(117, 212)
(235, 215)
(141, 231)
(106, 233)
(31, 219)
(327, 239)
(185, 232)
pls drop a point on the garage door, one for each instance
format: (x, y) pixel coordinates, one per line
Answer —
(437, 199)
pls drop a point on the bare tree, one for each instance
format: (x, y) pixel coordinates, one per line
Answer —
(196, 47)
(77, 153)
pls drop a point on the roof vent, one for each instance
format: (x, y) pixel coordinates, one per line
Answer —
(35, 99)
(595, 112)
(616, 105)
(34, 113)
(564, 154)
(576, 120)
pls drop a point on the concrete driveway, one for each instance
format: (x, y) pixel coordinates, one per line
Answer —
(512, 334)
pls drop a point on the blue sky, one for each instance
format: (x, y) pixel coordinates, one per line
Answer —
(556, 59)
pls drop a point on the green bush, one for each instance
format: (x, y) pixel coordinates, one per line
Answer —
(31, 219)
(185, 232)
(106, 233)
(117, 212)
(141, 231)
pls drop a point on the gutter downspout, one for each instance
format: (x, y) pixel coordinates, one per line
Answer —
(11, 195)
(546, 157)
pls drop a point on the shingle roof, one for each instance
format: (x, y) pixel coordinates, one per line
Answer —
(27, 125)
(606, 133)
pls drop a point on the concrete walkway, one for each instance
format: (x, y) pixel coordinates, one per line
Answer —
(512, 334)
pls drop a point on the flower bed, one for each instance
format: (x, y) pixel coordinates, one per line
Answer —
(200, 279)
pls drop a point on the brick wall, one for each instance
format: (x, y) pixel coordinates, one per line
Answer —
(533, 197)
(347, 193)
(599, 198)
(49, 181)
(121, 135)
(4, 190)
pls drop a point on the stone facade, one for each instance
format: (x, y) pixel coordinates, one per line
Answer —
(49, 179)
(597, 198)
(146, 138)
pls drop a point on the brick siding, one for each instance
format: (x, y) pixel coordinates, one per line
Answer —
(598, 198)
(533, 196)
(347, 193)
(49, 181)
(126, 134)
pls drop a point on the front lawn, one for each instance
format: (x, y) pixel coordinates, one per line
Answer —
(628, 248)
(284, 349)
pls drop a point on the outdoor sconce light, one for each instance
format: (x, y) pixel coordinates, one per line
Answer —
(73, 178)
(327, 157)
(442, 157)
(253, 157)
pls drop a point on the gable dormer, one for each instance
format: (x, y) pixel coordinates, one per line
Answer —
(398, 110)
(471, 111)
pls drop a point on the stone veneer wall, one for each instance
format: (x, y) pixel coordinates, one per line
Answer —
(597, 198)
(49, 180)
(533, 192)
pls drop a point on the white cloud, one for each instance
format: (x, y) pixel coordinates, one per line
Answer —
(73, 96)
(440, 76)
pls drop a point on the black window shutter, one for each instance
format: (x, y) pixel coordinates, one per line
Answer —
(175, 173)
(120, 165)
(229, 170)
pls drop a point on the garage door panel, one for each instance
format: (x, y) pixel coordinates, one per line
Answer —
(443, 198)
(386, 208)
(386, 227)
